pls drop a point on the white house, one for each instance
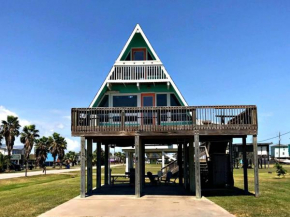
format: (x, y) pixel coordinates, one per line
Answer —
(283, 149)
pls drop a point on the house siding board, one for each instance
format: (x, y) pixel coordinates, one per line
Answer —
(96, 103)
(137, 42)
(144, 88)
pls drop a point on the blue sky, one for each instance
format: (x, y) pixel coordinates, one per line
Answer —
(54, 55)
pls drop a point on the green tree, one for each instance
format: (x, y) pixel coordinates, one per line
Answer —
(10, 130)
(57, 148)
(71, 157)
(28, 137)
(41, 149)
(2, 163)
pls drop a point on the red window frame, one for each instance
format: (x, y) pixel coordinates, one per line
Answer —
(139, 49)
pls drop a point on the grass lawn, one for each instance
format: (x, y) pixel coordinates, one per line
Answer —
(274, 197)
(34, 195)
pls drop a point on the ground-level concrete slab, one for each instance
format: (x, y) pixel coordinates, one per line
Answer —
(112, 205)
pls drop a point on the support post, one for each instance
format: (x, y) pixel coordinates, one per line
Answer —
(109, 166)
(231, 162)
(191, 167)
(106, 164)
(89, 166)
(245, 166)
(83, 167)
(179, 160)
(185, 157)
(256, 170)
(163, 159)
(138, 167)
(127, 161)
(99, 164)
(143, 167)
(197, 167)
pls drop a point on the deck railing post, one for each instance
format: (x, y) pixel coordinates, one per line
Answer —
(194, 118)
(123, 119)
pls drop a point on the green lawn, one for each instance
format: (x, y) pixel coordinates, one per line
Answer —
(274, 197)
(34, 195)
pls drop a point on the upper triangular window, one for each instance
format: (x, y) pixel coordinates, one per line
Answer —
(137, 48)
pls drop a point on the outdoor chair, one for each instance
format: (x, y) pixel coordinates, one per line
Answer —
(152, 179)
(168, 178)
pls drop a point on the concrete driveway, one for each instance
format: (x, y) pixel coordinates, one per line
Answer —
(147, 206)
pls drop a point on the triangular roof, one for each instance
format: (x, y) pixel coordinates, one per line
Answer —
(139, 30)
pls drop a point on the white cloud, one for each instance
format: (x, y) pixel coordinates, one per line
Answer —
(60, 126)
(5, 112)
(67, 117)
(72, 145)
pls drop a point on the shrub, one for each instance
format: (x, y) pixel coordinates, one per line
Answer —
(280, 170)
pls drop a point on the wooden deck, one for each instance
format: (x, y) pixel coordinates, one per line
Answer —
(150, 121)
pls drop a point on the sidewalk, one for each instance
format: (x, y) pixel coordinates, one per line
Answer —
(36, 173)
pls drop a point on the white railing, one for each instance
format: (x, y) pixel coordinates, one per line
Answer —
(138, 72)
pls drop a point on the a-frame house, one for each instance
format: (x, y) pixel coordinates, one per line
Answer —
(138, 78)
(139, 104)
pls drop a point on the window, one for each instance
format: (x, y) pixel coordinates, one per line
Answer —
(173, 100)
(161, 99)
(139, 54)
(125, 101)
(149, 56)
(128, 58)
(104, 102)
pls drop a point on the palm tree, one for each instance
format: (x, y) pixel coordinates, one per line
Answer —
(42, 149)
(28, 137)
(57, 148)
(71, 156)
(10, 130)
(61, 148)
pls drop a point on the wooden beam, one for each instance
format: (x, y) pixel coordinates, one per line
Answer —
(143, 167)
(179, 159)
(138, 168)
(231, 162)
(197, 167)
(99, 164)
(256, 169)
(89, 165)
(191, 167)
(106, 164)
(185, 164)
(245, 166)
(83, 167)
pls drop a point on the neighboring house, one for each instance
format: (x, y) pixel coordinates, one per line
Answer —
(283, 149)
(139, 104)
(17, 154)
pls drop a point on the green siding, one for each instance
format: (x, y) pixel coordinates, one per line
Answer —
(100, 97)
(137, 42)
(144, 88)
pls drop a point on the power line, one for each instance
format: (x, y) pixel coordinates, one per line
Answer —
(275, 137)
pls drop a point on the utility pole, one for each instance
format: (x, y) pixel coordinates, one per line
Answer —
(279, 144)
